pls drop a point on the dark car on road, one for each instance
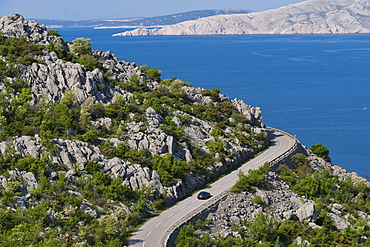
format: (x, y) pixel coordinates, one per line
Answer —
(203, 195)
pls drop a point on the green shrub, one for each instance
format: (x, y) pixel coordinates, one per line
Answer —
(299, 159)
(184, 119)
(321, 151)
(216, 132)
(304, 170)
(301, 162)
(255, 178)
(199, 224)
(318, 185)
(153, 73)
(214, 93)
(117, 191)
(92, 136)
(159, 204)
(17, 50)
(263, 228)
(169, 168)
(187, 237)
(53, 32)
(60, 49)
(287, 175)
(260, 136)
(89, 62)
(177, 132)
(81, 46)
(218, 146)
(8, 69)
(258, 200)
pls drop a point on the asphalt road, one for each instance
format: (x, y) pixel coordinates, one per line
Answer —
(151, 233)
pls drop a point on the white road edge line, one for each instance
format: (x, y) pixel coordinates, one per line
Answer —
(267, 158)
(149, 233)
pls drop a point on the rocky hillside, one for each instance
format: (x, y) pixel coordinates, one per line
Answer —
(312, 203)
(90, 145)
(309, 17)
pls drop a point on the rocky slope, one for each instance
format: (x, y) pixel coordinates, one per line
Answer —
(282, 203)
(53, 77)
(86, 154)
(87, 146)
(309, 17)
(238, 215)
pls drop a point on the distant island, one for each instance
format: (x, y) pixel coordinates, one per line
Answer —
(157, 21)
(309, 17)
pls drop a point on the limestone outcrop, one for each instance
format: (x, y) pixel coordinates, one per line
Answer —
(52, 77)
(280, 203)
(309, 17)
(16, 26)
(50, 80)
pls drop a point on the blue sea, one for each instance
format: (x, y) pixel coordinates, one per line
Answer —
(316, 87)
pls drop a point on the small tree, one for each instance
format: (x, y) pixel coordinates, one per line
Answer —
(321, 151)
(89, 62)
(263, 228)
(299, 159)
(301, 162)
(218, 146)
(187, 237)
(53, 32)
(255, 177)
(81, 46)
(59, 48)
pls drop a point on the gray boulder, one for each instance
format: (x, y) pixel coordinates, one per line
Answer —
(307, 213)
(339, 222)
(30, 181)
(302, 243)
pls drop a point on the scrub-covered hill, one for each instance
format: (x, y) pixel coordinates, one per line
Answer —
(90, 145)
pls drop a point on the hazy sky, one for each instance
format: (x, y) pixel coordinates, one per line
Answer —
(94, 9)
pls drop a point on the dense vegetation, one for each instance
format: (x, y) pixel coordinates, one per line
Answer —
(58, 211)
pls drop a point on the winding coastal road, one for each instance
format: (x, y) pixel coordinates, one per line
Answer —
(151, 233)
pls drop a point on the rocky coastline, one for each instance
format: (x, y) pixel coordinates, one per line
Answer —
(92, 184)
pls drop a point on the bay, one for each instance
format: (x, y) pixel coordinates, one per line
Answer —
(316, 87)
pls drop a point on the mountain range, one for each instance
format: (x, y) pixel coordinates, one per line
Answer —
(309, 17)
(156, 21)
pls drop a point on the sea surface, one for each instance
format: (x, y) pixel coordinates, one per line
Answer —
(316, 87)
